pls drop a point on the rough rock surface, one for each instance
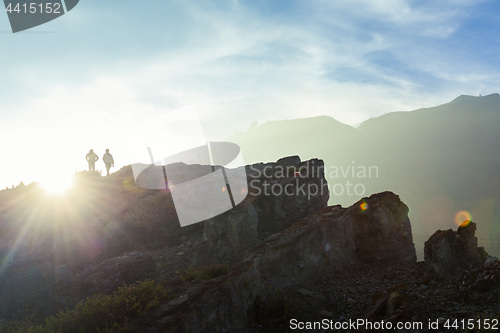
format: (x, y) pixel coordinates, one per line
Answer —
(317, 247)
(449, 252)
(106, 219)
(389, 290)
(31, 288)
(375, 228)
(287, 256)
(279, 194)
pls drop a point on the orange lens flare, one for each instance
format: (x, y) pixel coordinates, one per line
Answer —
(363, 206)
(463, 218)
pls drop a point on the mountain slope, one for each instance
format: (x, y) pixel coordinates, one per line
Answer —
(308, 136)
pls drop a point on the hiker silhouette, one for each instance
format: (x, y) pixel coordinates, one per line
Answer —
(107, 158)
(91, 158)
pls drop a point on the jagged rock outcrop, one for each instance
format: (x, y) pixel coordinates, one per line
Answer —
(112, 215)
(104, 217)
(285, 252)
(320, 245)
(449, 252)
(373, 229)
(279, 194)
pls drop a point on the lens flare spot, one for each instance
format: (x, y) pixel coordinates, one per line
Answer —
(224, 189)
(363, 206)
(462, 218)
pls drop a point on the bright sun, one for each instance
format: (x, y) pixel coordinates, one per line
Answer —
(57, 184)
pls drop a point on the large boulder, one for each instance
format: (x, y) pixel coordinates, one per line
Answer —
(382, 229)
(375, 228)
(279, 194)
(449, 252)
(317, 246)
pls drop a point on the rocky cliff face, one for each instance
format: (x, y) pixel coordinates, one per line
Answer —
(278, 195)
(321, 245)
(373, 229)
(285, 255)
(105, 217)
(318, 270)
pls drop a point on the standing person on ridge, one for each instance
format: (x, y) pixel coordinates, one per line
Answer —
(107, 158)
(91, 158)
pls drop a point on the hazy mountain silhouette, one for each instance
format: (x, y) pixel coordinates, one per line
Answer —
(309, 136)
(441, 160)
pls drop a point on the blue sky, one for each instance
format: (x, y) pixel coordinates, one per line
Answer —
(88, 78)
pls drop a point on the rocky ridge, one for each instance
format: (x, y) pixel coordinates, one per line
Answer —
(280, 279)
(285, 257)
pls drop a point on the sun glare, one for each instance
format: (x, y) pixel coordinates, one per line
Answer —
(57, 184)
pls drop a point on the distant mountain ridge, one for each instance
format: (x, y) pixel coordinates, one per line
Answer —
(441, 160)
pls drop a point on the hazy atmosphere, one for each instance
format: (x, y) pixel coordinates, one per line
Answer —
(249, 166)
(88, 79)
